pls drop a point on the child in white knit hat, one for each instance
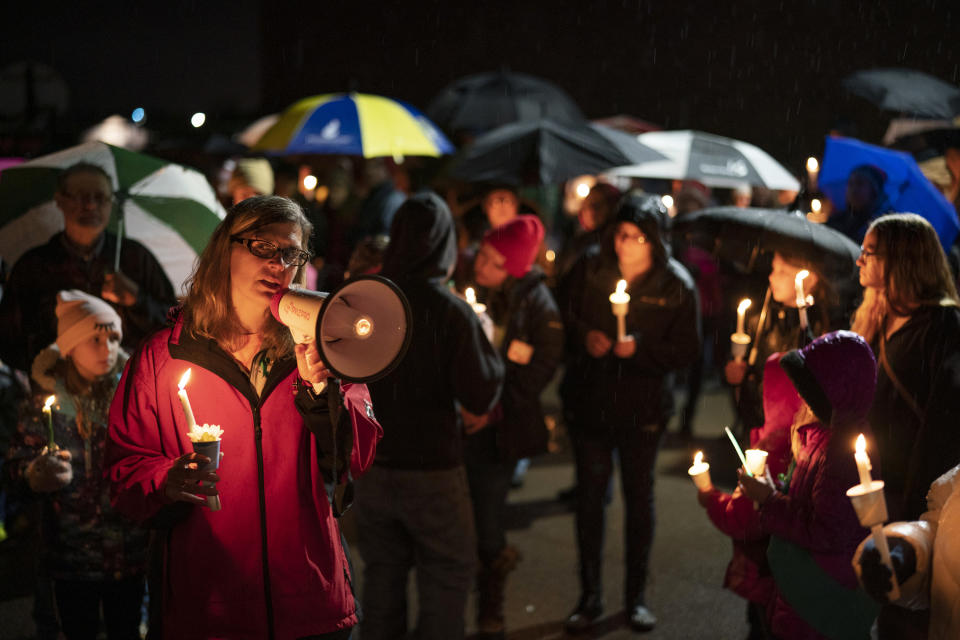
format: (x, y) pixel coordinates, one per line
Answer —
(92, 555)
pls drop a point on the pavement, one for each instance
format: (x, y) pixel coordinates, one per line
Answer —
(688, 559)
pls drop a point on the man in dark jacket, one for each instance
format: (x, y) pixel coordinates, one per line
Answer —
(81, 257)
(617, 392)
(529, 336)
(413, 506)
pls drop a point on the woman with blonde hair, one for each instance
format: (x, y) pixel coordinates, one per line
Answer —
(911, 319)
(270, 563)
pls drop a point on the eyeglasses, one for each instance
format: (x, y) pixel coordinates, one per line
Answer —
(866, 253)
(98, 199)
(290, 256)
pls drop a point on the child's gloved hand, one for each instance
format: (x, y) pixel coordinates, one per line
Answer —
(875, 575)
(50, 472)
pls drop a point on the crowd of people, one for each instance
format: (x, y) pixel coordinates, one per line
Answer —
(248, 543)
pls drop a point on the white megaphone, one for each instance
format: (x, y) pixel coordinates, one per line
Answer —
(362, 328)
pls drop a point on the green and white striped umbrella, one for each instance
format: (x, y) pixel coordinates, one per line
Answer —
(169, 208)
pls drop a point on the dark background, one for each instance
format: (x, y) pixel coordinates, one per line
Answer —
(765, 72)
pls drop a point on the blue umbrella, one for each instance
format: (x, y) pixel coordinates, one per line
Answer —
(907, 189)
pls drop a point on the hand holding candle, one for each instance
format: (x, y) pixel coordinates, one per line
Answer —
(48, 409)
(700, 472)
(619, 302)
(740, 340)
(205, 439)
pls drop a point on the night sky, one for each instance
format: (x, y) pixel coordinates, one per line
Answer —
(766, 72)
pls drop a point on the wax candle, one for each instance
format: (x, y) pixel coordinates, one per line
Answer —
(619, 300)
(700, 472)
(471, 295)
(803, 300)
(863, 462)
(741, 313)
(756, 461)
(48, 409)
(813, 171)
(185, 401)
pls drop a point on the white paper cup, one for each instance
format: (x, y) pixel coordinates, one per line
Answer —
(701, 476)
(870, 504)
(756, 461)
(738, 345)
(212, 451)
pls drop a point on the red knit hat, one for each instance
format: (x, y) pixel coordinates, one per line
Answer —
(517, 241)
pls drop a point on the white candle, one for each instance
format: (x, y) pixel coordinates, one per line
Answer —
(756, 461)
(48, 409)
(471, 295)
(863, 462)
(185, 401)
(813, 170)
(803, 300)
(741, 313)
(619, 300)
(700, 472)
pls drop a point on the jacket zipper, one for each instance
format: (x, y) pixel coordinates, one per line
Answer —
(258, 440)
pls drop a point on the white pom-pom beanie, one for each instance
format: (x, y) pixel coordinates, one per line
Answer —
(81, 315)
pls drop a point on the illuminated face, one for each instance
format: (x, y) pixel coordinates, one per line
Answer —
(631, 245)
(97, 355)
(592, 212)
(782, 281)
(870, 263)
(253, 280)
(85, 201)
(501, 206)
(488, 269)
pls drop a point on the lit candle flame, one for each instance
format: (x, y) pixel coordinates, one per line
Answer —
(861, 445)
(184, 379)
(551, 255)
(583, 190)
(698, 458)
(815, 205)
(812, 164)
(471, 295)
(667, 201)
(622, 286)
(49, 402)
(801, 275)
(744, 305)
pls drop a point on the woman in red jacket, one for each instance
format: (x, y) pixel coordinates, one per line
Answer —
(270, 563)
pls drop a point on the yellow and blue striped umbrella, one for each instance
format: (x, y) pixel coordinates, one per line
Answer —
(355, 124)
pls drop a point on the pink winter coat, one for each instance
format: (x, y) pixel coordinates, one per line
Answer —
(270, 563)
(748, 574)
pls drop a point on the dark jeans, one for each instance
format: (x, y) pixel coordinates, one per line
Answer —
(489, 480)
(422, 519)
(637, 447)
(78, 603)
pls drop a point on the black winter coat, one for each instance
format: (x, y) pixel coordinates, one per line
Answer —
(663, 318)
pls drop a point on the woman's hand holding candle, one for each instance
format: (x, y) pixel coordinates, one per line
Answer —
(757, 488)
(597, 343)
(184, 480)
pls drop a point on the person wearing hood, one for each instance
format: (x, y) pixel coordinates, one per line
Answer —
(866, 201)
(413, 507)
(748, 574)
(813, 527)
(593, 220)
(528, 334)
(94, 556)
(617, 394)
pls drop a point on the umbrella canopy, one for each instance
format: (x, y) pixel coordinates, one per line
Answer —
(738, 233)
(485, 101)
(547, 152)
(353, 124)
(713, 160)
(906, 187)
(906, 90)
(169, 208)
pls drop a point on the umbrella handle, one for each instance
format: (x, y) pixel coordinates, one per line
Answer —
(756, 338)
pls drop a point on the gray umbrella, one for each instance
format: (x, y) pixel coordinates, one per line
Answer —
(906, 90)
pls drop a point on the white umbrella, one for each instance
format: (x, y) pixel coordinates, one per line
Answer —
(713, 160)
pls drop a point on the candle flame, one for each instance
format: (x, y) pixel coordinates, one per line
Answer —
(184, 379)
(816, 205)
(471, 295)
(812, 164)
(803, 273)
(744, 305)
(622, 286)
(698, 458)
(49, 402)
(551, 255)
(861, 445)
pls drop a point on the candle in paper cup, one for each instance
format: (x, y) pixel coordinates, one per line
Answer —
(700, 472)
(185, 401)
(619, 301)
(206, 441)
(756, 461)
(739, 341)
(471, 295)
(48, 409)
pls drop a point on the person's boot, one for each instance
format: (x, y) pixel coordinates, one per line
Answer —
(490, 584)
(641, 618)
(590, 606)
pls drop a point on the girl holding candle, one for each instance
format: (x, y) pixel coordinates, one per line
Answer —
(617, 394)
(94, 556)
(270, 563)
(813, 527)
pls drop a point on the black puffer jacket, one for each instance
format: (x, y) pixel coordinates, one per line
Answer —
(449, 359)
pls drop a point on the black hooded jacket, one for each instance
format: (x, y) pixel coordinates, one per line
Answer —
(449, 359)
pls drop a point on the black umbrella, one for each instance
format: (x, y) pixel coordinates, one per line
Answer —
(906, 90)
(485, 101)
(741, 234)
(547, 152)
